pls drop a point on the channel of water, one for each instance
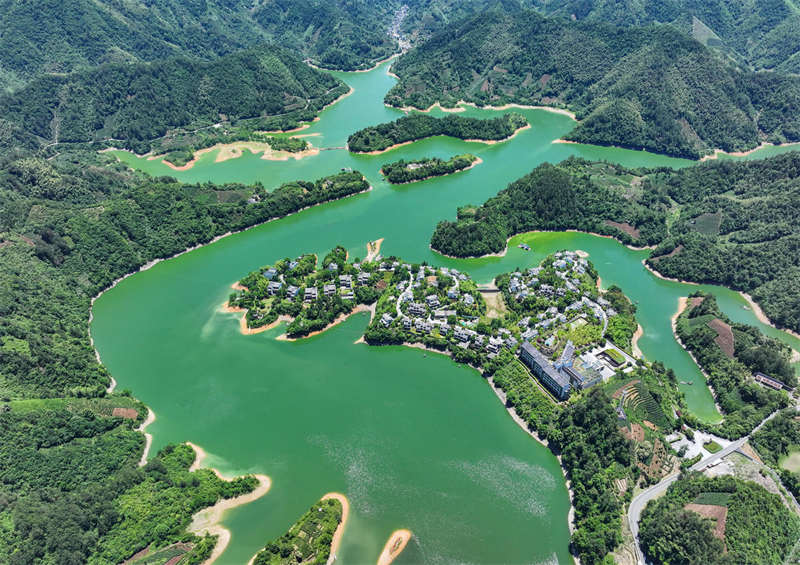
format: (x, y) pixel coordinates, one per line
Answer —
(415, 441)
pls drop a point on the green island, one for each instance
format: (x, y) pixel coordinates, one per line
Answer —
(728, 223)
(418, 126)
(636, 87)
(747, 370)
(719, 520)
(402, 172)
(309, 540)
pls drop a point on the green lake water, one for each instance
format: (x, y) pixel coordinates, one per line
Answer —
(414, 441)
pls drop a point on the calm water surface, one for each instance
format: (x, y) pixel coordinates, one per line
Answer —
(414, 441)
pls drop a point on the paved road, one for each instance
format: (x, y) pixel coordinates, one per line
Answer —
(638, 503)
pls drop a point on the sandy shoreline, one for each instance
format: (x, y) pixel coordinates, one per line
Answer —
(148, 439)
(477, 161)
(399, 537)
(639, 333)
(459, 107)
(236, 149)
(753, 304)
(718, 152)
(302, 127)
(763, 317)
(493, 141)
(208, 519)
(337, 535)
(371, 254)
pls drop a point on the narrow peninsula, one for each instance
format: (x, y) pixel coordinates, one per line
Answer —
(311, 539)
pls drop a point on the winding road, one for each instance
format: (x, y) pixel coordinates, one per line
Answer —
(638, 503)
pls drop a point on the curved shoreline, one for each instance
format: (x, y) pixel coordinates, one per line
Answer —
(522, 424)
(400, 537)
(371, 254)
(337, 321)
(459, 107)
(504, 251)
(151, 157)
(477, 161)
(396, 145)
(208, 519)
(683, 302)
(148, 438)
(255, 147)
(337, 535)
(760, 315)
(634, 341)
(718, 152)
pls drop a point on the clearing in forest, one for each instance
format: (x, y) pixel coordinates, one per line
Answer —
(724, 336)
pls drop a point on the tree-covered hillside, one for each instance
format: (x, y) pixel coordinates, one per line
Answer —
(52, 37)
(734, 223)
(761, 34)
(70, 487)
(648, 88)
(133, 103)
(756, 528)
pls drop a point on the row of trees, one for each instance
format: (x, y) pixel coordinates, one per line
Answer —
(419, 126)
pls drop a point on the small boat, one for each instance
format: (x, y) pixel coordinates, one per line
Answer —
(424, 354)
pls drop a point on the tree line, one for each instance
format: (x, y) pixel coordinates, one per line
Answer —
(419, 126)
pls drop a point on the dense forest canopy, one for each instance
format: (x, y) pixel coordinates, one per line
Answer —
(420, 126)
(758, 529)
(134, 103)
(763, 35)
(648, 88)
(737, 223)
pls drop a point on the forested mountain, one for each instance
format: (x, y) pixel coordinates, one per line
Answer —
(133, 103)
(52, 37)
(734, 223)
(762, 34)
(648, 88)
